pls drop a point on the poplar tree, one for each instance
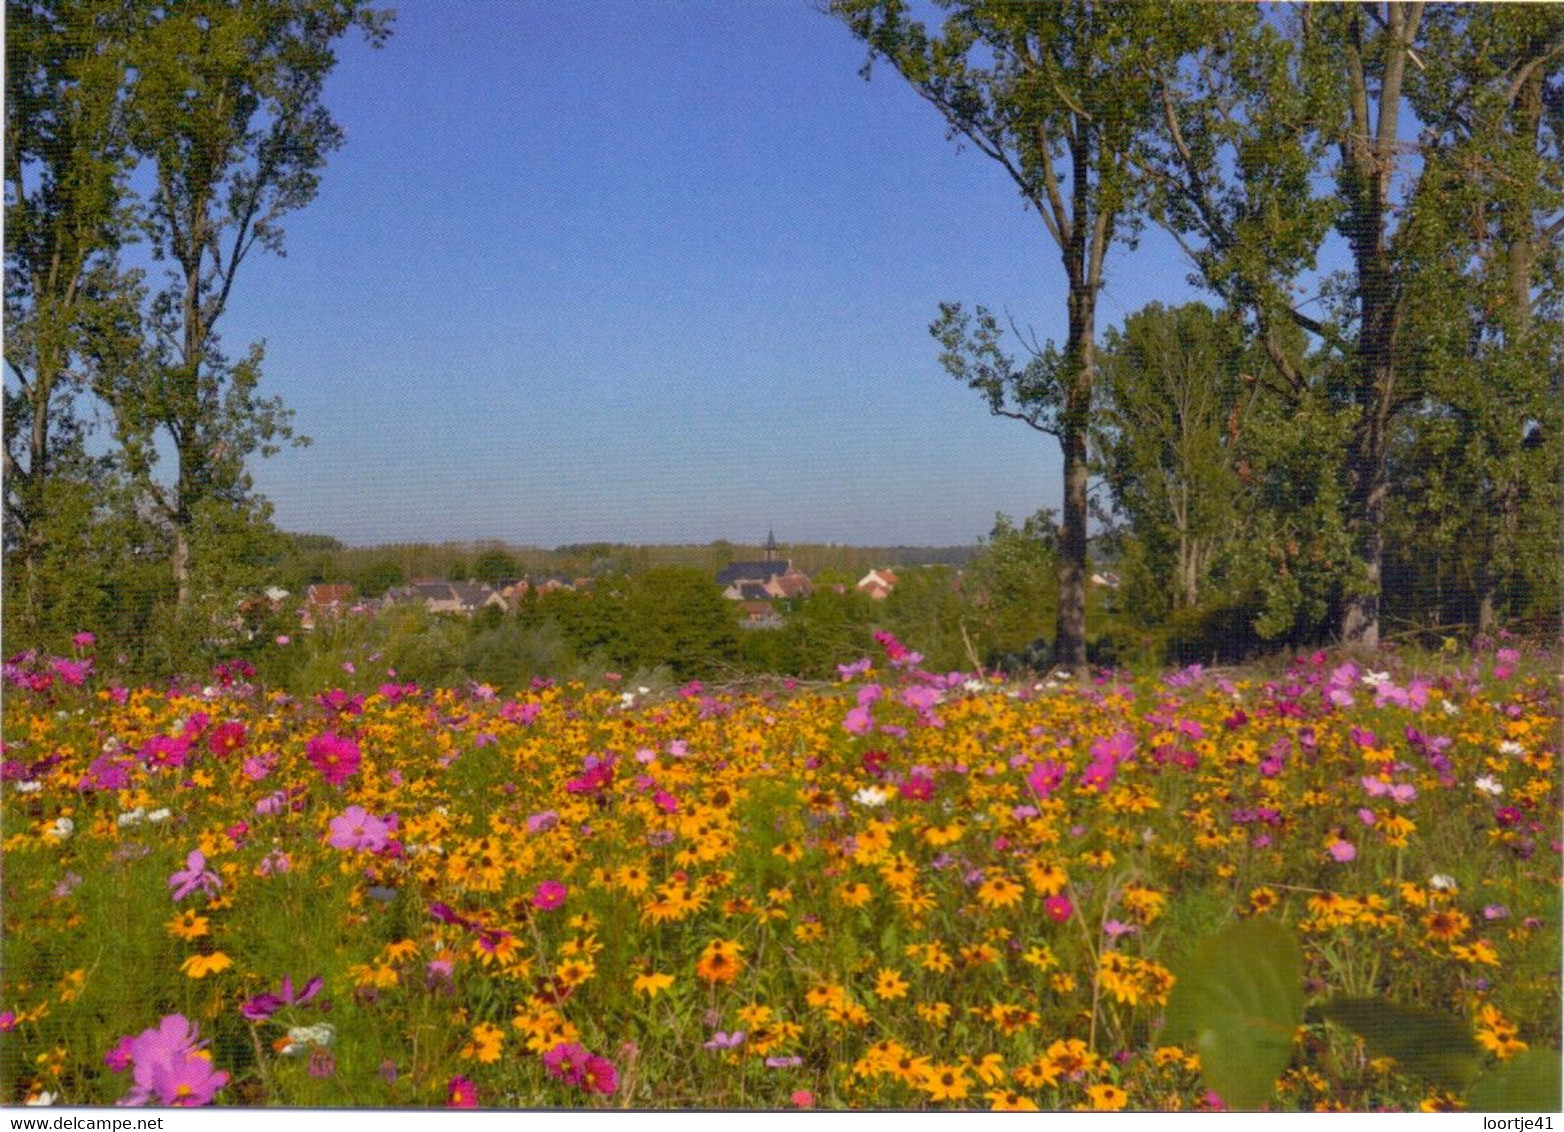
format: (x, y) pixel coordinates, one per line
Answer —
(1058, 95)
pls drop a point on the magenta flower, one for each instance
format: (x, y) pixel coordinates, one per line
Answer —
(565, 1061)
(721, 1040)
(165, 751)
(337, 759)
(598, 1075)
(106, 773)
(461, 1093)
(1058, 908)
(84, 640)
(549, 894)
(194, 877)
(1046, 777)
(1342, 851)
(357, 830)
(263, 1006)
(225, 738)
(73, 672)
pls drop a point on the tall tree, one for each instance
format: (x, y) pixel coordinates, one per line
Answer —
(66, 163)
(1172, 398)
(1489, 274)
(226, 111)
(1268, 115)
(1058, 95)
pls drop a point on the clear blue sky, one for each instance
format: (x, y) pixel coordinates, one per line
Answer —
(648, 273)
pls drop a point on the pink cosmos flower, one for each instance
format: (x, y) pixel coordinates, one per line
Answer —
(1058, 908)
(194, 877)
(549, 894)
(73, 672)
(598, 1075)
(165, 751)
(337, 759)
(358, 830)
(225, 738)
(84, 640)
(1046, 777)
(461, 1093)
(566, 1061)
(1342, 851)
(858, 721)
(167, 1067)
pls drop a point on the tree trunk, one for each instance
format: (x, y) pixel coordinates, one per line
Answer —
(1070, 630)
(1369, 158)
(180, 560)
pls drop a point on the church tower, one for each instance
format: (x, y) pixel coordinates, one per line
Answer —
(771, 546)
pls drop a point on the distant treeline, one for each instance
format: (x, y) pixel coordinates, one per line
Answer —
(312, 558)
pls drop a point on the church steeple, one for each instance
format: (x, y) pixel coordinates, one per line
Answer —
(771, 546)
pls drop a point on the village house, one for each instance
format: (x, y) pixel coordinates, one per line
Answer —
(771, 578)
(759, 615)
(324, 599)
(878, 584)
(461, 598)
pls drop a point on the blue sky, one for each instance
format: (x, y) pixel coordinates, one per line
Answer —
(648, 273)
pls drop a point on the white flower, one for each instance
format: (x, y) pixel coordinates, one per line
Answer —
(1450, 707)
(28, 787)
(1439, 882)
(1375, 679)
(627, 699)
(871, 796)
(43, 1099)
(158, 815)
(302, 1038)
(1488, 784)
(973, 685)
(131, 817)
(62, 828)
(643, 689)
(1510, 747)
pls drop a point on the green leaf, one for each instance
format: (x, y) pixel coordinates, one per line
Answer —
(1237, 1003)
(1429, 1043)
(1530, 1083)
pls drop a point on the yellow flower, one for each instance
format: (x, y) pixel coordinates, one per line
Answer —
(574, 972)
(200, 966)
(652, 984)
(720, 962)
(485, 1044)
(990, 1068)
(187, 925)
(1107, 1098)
(945, 1083)
(890, 985)
(1046, 879)
(633, 879)
(934, 1013)
(1002, 1101)
(401, 949)
(1040, 957)
(1000, 891)
(855, 895)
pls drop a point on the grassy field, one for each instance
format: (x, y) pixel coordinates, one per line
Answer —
(901, 890)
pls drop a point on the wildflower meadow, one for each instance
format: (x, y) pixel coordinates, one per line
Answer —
(899, 889)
